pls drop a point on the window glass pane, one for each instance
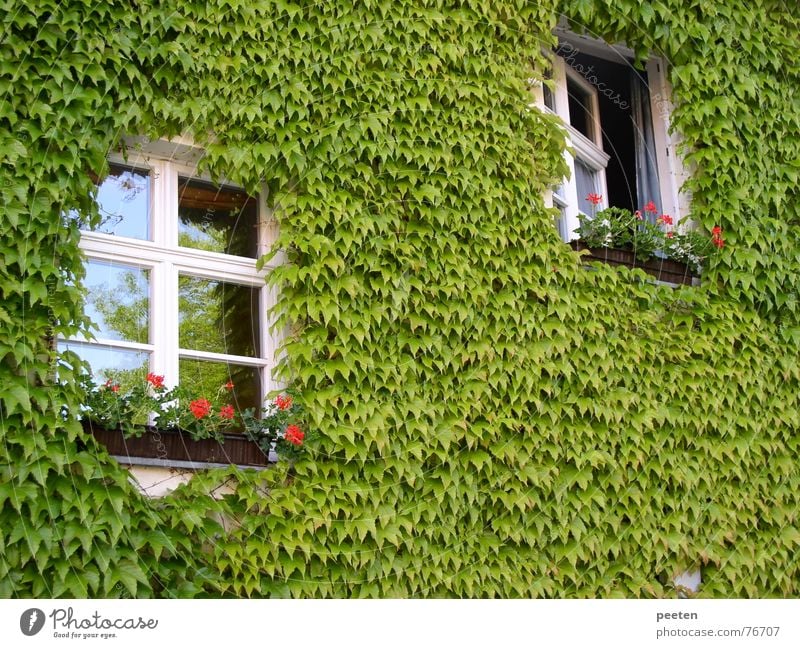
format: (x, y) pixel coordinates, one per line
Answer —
(218, 219)
(118, 300)
(561, 224)
(549, 99)
(580, 109)
(121, 366)
(586, 180)
(219, 317)
(207, 379)
(123, 198)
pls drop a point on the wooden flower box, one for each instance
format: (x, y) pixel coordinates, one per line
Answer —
(662, 269)
(175, 448)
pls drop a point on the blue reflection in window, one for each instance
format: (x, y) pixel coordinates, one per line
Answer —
(123, 198)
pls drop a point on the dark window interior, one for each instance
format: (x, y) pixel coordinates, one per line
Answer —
(613, 84)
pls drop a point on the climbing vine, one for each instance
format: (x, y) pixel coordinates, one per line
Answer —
(491, 418)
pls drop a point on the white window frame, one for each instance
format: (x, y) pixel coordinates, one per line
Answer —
(579, 147)
(166, 260)
(672, 173)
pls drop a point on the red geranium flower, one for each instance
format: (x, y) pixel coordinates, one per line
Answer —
(638, 215)
(651, 207)
(294, 435)
(664, 218)
(594, 198)
(226, 412)
(229, 385)
(670, 234)
(155, 381)
(716, 236)
(114, 387)
(200, 408)
(283, 402)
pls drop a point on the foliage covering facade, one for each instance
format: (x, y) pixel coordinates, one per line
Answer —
(493, 419)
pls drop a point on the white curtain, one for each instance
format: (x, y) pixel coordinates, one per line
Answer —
(646, 167)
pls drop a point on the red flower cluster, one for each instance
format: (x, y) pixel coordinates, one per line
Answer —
(226, 412)
(594, 198)
(114, 387)
(670, 234)
(155, 381)
(200, 408)
(638, 215)
(229, 385)
(651, 207)
(665, 218)
(716, 236)
(283, 402)
(294, 435)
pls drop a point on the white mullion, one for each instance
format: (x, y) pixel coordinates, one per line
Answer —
(146, 253)
(158, 322)
(217, 271)
(107, 251)
(115, 344)
(156, 275)
(170, 299)
(169, 332)
(157, 279)
(192, 354)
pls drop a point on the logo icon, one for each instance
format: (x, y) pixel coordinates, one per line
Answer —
(31, 621)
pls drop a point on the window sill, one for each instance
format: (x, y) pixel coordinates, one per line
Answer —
(671, 272)
(175, 449)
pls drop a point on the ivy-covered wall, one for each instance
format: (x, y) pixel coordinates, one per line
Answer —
(493, 419)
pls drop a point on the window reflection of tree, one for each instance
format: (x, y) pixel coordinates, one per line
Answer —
(224, 317)
(218, 219)
(127, 183)
(124, 309)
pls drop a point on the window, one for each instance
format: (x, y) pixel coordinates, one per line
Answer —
(617, 126)
(172, 281)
